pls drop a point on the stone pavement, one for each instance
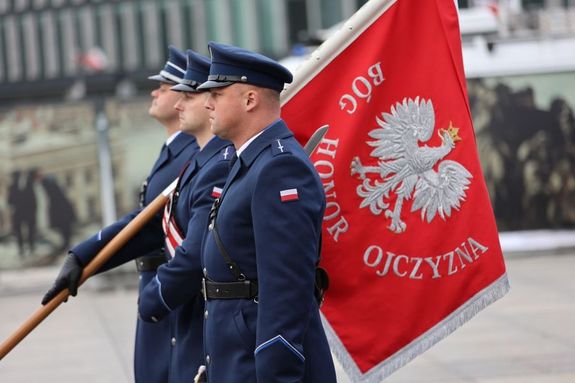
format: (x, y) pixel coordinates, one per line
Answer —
(526, 337)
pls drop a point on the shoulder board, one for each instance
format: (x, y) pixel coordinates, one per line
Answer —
(227, 153)
(278, 147)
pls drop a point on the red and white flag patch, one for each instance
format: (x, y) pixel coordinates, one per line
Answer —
(289, 195)
(216, 192)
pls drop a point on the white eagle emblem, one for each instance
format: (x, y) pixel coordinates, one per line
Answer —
(407, 169)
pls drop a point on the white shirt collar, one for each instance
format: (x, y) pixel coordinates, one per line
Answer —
(172, 137)
(248, 142)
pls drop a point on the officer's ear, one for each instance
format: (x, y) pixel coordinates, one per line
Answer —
(251, 99)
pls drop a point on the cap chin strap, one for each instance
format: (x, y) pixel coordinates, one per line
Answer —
(171, 77)
(227, 77)
(192, 83)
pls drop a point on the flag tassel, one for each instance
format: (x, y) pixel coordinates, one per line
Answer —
(441, 330)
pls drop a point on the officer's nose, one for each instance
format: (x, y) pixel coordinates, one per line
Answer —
(209, 104)
(178, 105)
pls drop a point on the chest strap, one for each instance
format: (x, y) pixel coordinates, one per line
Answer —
(213, 227)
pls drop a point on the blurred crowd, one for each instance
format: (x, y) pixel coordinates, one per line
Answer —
(527, 154)
(33, 196)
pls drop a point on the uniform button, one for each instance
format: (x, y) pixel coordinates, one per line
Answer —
(140, 277)
(154, 319)
(207, 359)
(206, 314)
(173, 341)
(205, 272)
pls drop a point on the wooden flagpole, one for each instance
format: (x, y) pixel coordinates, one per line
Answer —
(104, 255)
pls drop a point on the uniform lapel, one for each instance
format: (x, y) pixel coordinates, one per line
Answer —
(212, 148)
(189, 173)
(181, 142)
(172, 150)
(235, 170)
(277, 130)
(162, 158)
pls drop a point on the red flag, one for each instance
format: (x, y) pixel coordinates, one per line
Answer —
(410, 240)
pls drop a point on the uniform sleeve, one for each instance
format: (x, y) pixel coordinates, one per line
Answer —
(287, 209)
(148, 239)
(179, 281)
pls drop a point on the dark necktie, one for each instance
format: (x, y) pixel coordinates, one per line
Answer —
(233, 160)
(164, 155)
(163, 150)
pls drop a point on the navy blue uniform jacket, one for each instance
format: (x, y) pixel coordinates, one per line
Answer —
(152, 356)
(176, 288)
(277, 337)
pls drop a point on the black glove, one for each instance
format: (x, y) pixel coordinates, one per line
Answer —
(69, 277)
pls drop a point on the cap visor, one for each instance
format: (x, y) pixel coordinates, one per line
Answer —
(184, 88)
(161, 78)
(214, 84)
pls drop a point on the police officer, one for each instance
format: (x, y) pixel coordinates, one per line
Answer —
(262, 319)
(175, 291)
(153, 342)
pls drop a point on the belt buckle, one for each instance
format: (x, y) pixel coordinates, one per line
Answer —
(204, 289)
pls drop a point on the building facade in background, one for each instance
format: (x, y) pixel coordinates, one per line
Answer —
(49, 39)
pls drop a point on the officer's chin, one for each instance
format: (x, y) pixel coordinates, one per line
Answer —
(213, 128)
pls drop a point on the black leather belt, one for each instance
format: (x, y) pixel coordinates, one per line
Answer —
(229, 290)
(150, 263)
